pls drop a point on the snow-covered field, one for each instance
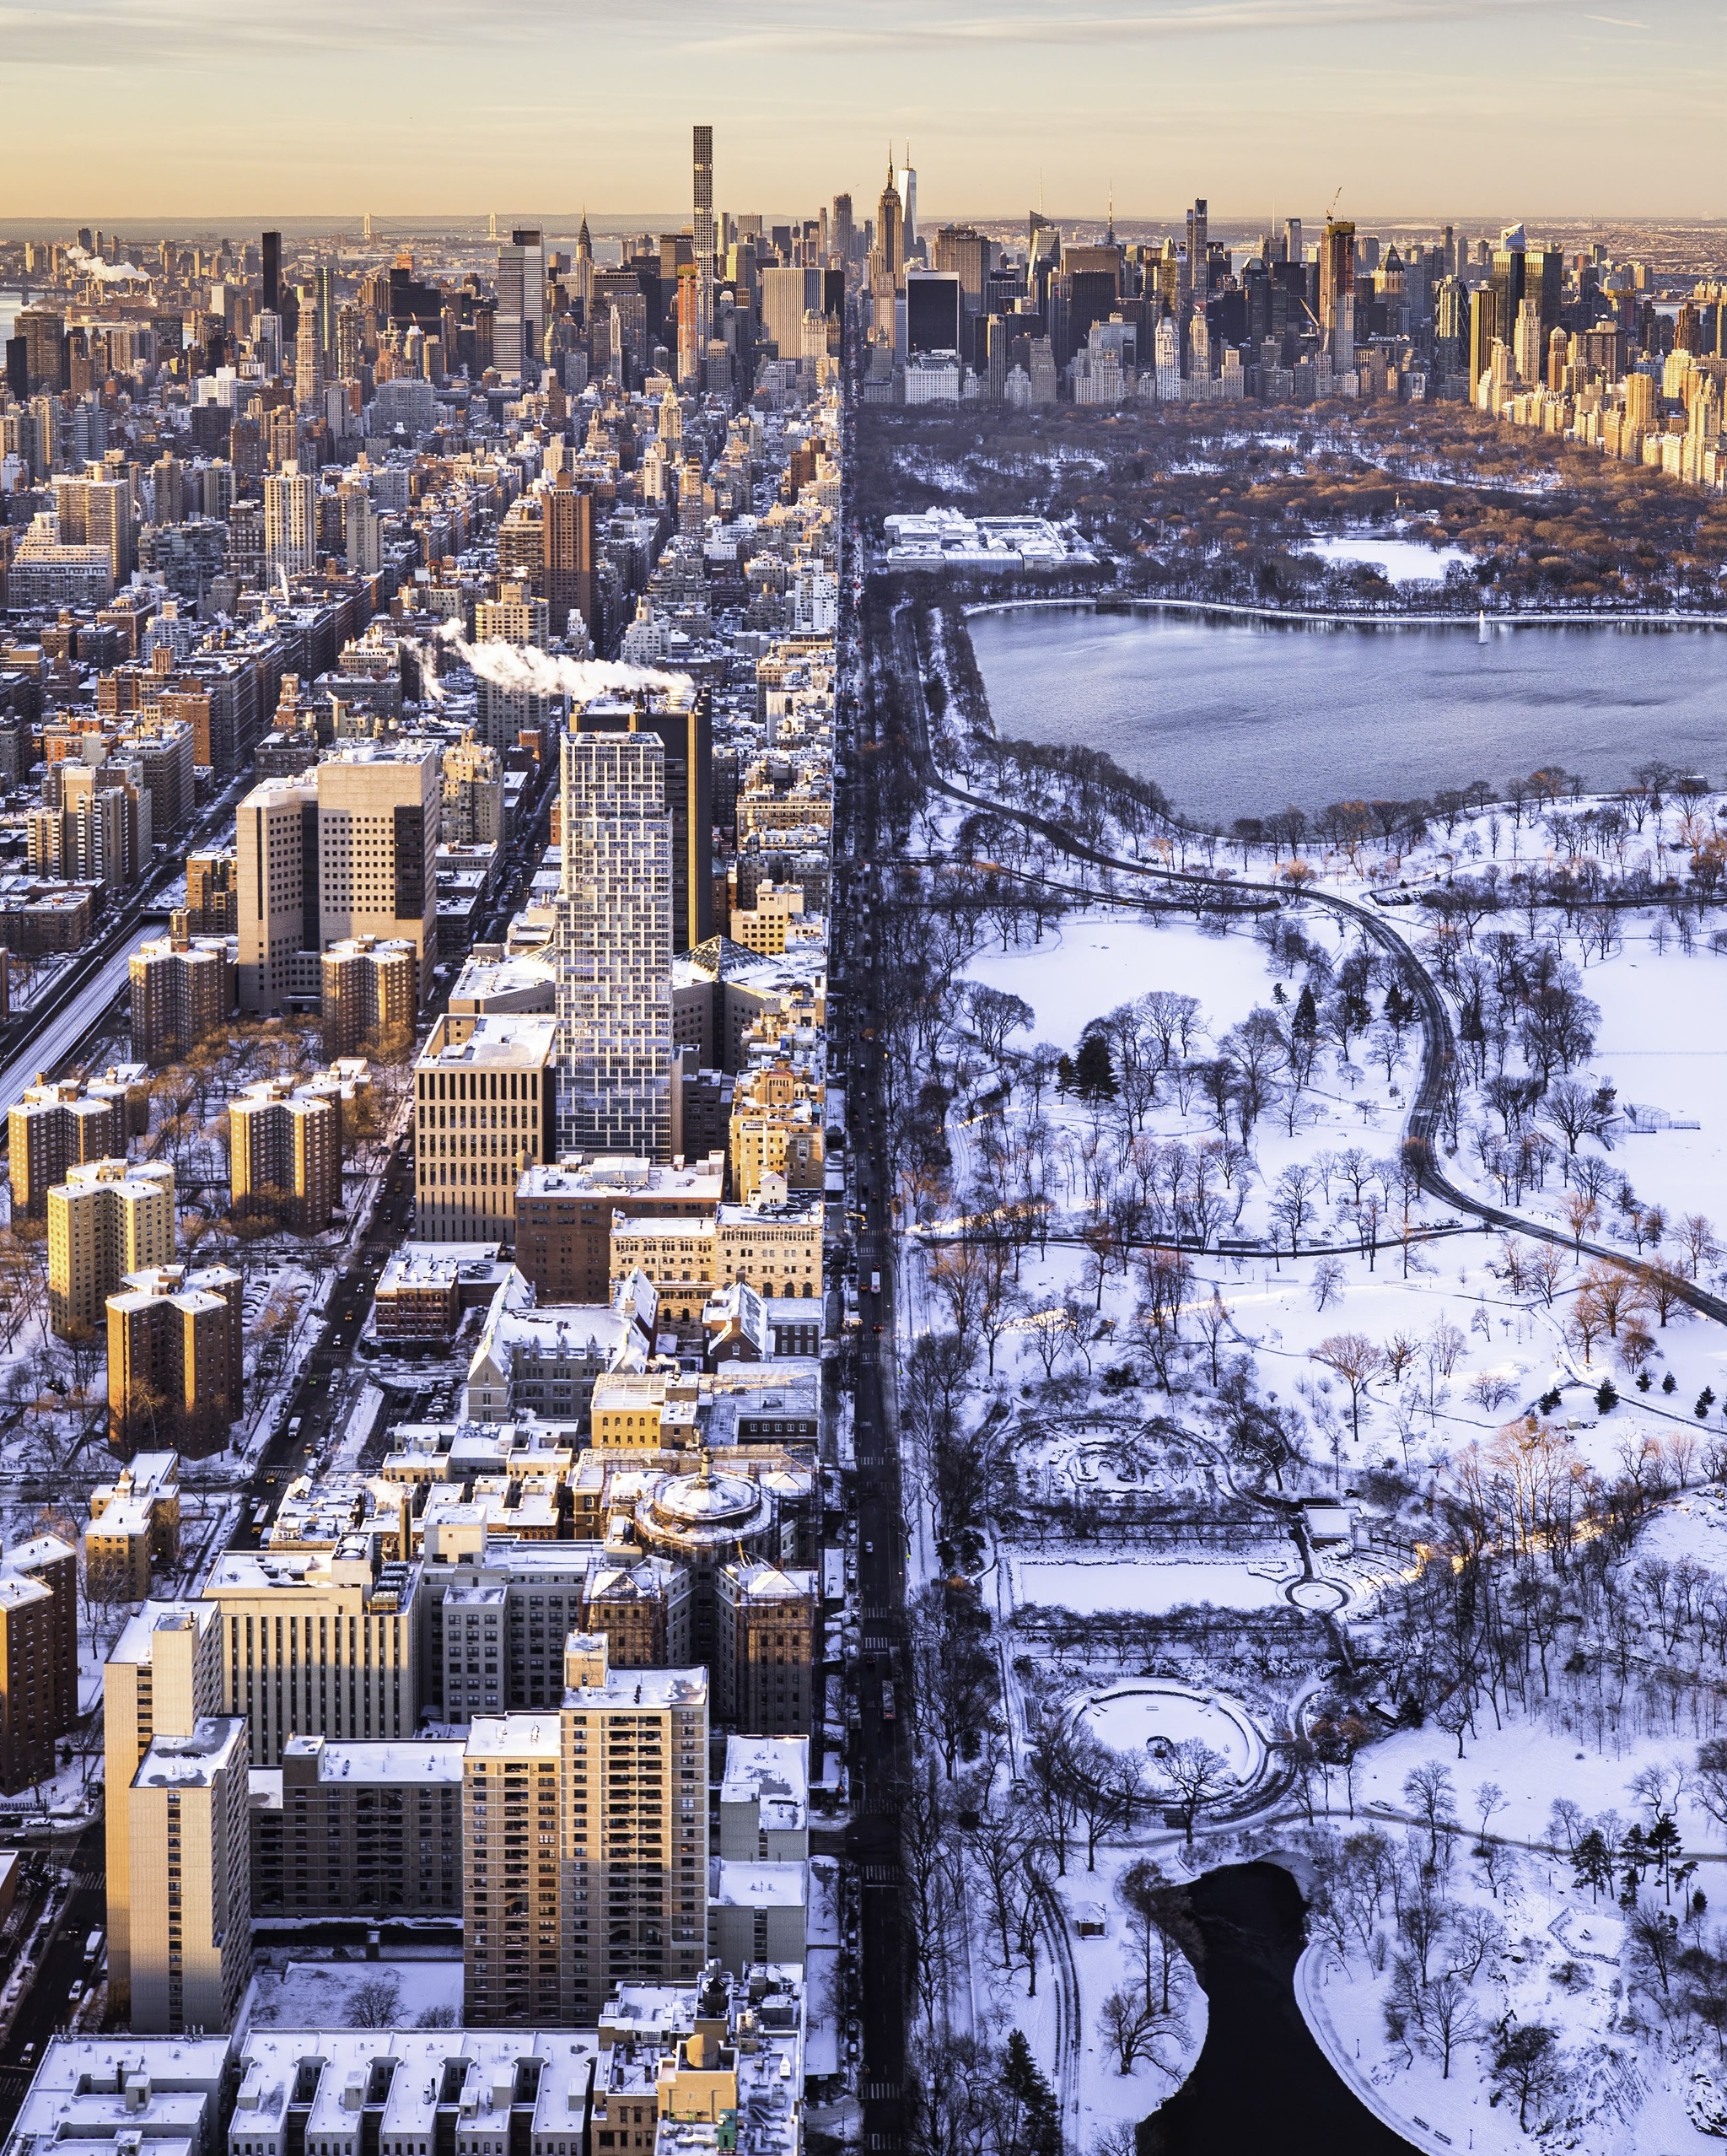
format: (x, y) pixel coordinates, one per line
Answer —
(1404, 561)
(1093, 962)
(1090, 1584)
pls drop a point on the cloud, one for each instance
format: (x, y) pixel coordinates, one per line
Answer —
(892, 27)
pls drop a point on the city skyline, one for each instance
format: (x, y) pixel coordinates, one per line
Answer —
(1398, 102)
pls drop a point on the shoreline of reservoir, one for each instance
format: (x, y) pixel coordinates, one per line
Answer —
(1240, 711)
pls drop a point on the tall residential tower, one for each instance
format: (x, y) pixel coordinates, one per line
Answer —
(613, 947)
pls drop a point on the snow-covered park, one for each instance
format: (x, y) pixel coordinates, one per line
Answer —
(1284, 1482)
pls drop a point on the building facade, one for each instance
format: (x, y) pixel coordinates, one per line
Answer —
(106, 1220)
(612, 947)
(484, 1116)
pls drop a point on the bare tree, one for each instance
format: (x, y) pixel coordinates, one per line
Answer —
(1431, 1795)
(1357, 1360)
(1196, 1777)
(1451, 2016)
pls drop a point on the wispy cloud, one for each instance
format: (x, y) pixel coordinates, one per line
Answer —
(888, 26)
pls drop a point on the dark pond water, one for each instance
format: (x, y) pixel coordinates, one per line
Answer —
(1263, 2087)
(1234, 717)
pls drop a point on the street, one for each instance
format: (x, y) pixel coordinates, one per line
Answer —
(882, 1749)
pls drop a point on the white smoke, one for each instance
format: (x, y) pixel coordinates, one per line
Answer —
(107, 272)
(544, 673)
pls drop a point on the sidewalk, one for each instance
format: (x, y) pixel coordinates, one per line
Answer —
(1309, 1987)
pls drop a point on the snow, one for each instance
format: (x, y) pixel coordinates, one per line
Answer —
(1090, 1585)
(321, 1994)
(1135, 1717)
(1095, 961)
(1105, 1964)
(1404, 561)
(1117, 1459)
(1663, 1041)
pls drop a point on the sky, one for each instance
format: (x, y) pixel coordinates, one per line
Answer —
(1417, 109)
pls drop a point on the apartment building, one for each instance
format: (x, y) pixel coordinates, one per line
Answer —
(29, 1680)
(368, 1830)
(189, 1887)
(613, 947)
(106, 1220)
(285, 1153)
(58, 1125)
(484, 1116)
(412, 2092)
(767, 1650)
(134, 1526)
(163, 1676)
(211, 894)
(371, 992)
(175, 1359)
(585, 1842)
(182, 993)
(677, 1255)
(318, 1643)
(564, 1216)
(46, 1558)
(774, 1241)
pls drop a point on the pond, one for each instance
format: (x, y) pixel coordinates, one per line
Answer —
(1236, 716)
(1261, 2087)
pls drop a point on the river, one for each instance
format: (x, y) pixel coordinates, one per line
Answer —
(1236, 716)
(1261, 2087)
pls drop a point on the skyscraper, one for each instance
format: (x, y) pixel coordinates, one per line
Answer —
(291, 520)
(1483, 332)
(1336, 279)
(272, 273)
(906, 179)
(693, 341)
(567, 534)
(841, 238)
(613, 947)
(1507, 279)
(682, 718)
(889, 225)
(1198, 250)
(521, 304)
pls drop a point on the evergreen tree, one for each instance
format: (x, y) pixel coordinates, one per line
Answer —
(1037, 2125)
(1095, 1071)
(1593, 1862)
(1305, 1025)
(1066, 1078)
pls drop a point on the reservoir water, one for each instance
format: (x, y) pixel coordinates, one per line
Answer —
(1235, 716)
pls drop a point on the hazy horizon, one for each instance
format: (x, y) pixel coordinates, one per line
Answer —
(1264, 107)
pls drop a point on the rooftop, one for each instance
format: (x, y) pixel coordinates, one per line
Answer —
(192, 1762)
(500, 1037)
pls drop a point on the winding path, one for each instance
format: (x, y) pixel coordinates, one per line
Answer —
(1439, 1042)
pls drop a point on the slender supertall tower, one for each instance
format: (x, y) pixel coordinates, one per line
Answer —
(702, 230)
(907, 182)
